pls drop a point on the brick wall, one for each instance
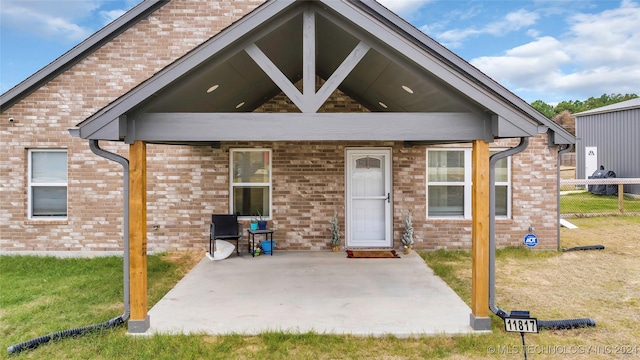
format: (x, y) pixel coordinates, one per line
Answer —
(533, 199)
(42, 120)
(188, 183)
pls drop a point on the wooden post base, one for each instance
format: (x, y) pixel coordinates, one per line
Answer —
(139, 326)
(479, 323)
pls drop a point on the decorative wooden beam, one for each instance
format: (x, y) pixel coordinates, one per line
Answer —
(308, 101)
(139, 320)
(277, 76)
(309, 54)
(177, 127)
(480, 236)
(340, 74)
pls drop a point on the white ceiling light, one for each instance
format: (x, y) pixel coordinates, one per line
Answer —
(407, 89)
(383, 104)
(212, 88)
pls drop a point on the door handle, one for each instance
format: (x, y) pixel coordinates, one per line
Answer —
(389, 198)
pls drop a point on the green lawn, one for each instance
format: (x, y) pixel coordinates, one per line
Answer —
(39, 296)
(42, 295)
(587, 203)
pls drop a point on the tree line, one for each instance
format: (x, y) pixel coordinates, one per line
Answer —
(576, 106)
(562, 114)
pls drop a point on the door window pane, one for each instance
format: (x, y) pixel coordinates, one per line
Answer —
(368, 180)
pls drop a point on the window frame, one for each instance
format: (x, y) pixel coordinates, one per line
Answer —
(507, 183)
(233, 184)
(467, 184)
(31, 184)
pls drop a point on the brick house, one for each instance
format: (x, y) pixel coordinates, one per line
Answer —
(295, 109)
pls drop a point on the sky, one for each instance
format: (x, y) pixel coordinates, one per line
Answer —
(549, 50)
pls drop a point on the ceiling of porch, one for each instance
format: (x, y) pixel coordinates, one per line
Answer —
(382, 81)
(415, 89)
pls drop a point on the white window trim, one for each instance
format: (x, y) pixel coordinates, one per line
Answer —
(269, 184)
(468, 166)
(30, 185)
(508, 184)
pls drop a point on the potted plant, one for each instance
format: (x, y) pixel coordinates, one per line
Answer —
(253, 224)
(335, 233)
(262, 222)
(407, 235)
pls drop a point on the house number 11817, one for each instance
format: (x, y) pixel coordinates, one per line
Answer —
(529, 325)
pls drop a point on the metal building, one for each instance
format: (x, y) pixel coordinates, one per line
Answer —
(609, 136)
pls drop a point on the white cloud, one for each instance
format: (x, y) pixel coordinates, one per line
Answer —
(403, 7)
(533, 33)
(58, 19)
(611, 36)
(51, 19)
(109, 16)
(599, 54)
(455, 16)
(524, 67)
(511, 22)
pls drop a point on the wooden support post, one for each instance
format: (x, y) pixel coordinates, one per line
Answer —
(621, 198)
(139, 321)
(480, 237)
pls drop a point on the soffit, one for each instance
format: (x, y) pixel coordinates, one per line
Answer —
(396, 72)
(378, 77)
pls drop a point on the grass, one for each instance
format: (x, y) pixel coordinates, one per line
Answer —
(42, 295)
(588, 203)
(603, 284)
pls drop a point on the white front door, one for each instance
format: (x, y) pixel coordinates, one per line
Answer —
(368, 184)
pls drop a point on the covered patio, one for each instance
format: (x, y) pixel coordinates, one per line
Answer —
(410, 90)
(323, 292)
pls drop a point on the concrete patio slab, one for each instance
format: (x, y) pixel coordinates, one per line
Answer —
(322, 292)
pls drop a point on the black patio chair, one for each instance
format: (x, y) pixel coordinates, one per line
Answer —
(225, 227)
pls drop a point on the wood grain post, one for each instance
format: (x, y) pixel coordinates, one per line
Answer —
(480, 237)
(621, 198)
(139, 320)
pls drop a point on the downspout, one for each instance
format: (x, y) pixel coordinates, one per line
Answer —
(543, 324)
(119, 320)
(560, 152)
(95, 147)
(493, 159)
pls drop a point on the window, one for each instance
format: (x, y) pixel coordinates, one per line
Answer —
(449, 184)
(47, 184)
(251, 182)
(503, 186)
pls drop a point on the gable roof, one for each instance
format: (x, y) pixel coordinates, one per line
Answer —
(560, 135)
(623, 105)
(392, 47)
